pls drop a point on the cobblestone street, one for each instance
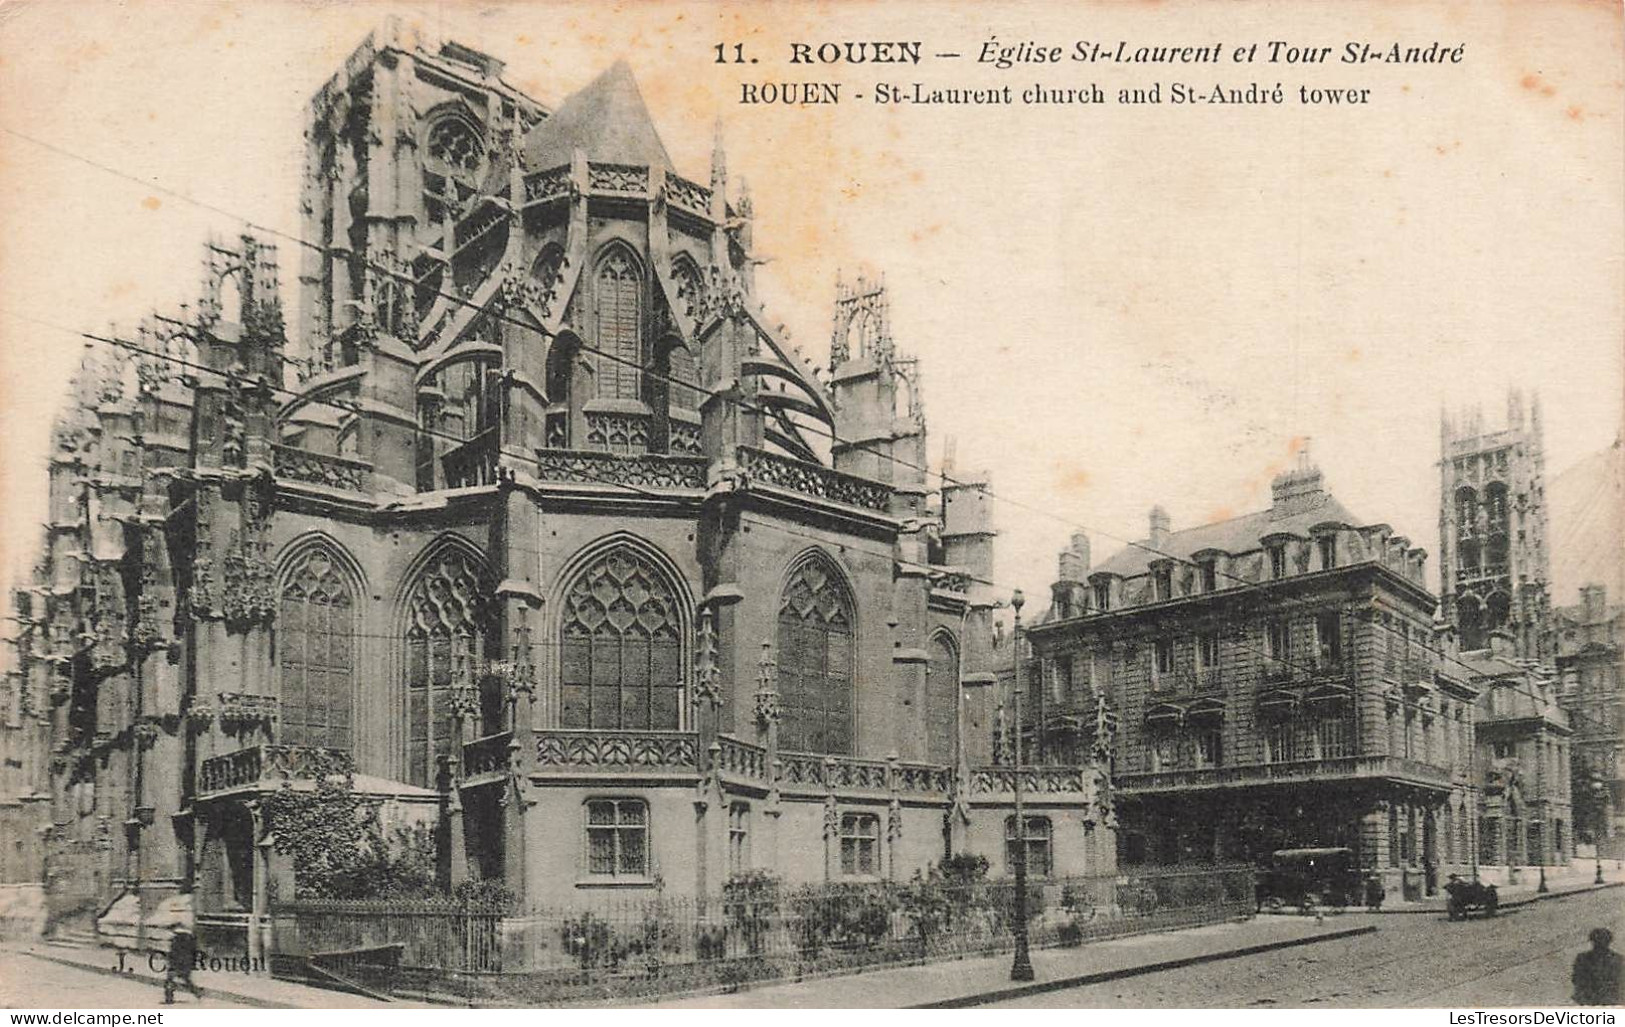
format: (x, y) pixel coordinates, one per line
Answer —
(1520, 958)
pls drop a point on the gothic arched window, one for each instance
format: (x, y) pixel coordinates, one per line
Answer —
(315, 654)
(941, 699)
(455, 145)
(815, 660)
(620, 646)
(446, 636)
(619, 291)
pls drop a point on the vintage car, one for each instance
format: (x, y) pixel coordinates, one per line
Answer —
(1309, 877)
(1468, 896)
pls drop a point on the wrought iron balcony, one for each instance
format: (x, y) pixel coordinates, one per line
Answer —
(1344, 768)
(264, 767)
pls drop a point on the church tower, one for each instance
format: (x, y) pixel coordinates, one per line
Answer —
(1494, 563)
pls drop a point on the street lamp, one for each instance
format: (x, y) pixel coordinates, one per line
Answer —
(1022, 968)
(1597, 787)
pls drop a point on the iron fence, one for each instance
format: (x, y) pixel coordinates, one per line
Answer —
(757, 930)
(444, 934)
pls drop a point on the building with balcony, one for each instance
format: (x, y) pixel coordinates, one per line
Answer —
(1267, 682)
(534, 531)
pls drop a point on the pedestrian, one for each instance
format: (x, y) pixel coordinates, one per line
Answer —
(178, 968)
(1597, 974)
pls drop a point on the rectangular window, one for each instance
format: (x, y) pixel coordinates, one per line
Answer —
(860, 844)
(618, 838)
(1207, 652)
(1328, 552)
(1280, 742)
(1164, 753)
(739, 837)
(1210, 576)
(1504, 750)
(1328, 641)
(1208, 748)
(1103, 596)
(1332, 737)
(1040, 862)
(1277, 562)
(1164, 653)
(1162, 580)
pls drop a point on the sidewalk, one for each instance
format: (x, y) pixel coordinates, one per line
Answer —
(981, 980)
(1510, 896)
(252, 989)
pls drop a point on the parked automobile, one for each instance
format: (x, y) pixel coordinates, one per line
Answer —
(1309, 877)
(1470, 896)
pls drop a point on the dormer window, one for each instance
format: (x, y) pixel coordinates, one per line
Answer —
(1328, 551)
(1277, 554)
(1209, 573)
(1162, 583)
(1103, 596)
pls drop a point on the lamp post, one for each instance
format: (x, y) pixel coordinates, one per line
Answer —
(1022, 968)
(1597, 788)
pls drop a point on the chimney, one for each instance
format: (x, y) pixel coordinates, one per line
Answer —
(1160, 528)
(1297, 490)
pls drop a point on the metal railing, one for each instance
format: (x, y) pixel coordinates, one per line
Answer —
(1293, 771)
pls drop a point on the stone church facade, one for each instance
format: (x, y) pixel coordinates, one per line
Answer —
(534, 526)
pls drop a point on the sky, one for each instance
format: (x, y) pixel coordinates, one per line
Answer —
(1115, 306)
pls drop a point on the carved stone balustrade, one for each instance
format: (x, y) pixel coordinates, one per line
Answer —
(582, 467)
(588, 751)
(764, 468)
(488, 759)
(264, 767)
(325, 469)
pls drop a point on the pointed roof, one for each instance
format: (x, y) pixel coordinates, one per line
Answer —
(607, 120)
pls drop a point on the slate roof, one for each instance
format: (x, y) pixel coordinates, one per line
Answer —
(607, 120)
(1236, 535)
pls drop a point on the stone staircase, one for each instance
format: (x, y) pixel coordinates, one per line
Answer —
(74, 935)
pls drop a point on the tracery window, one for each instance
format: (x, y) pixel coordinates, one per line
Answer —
(815, 661)
(446, 637)
(315, 653)
(620, 306)
(454, 144)
(621, 646)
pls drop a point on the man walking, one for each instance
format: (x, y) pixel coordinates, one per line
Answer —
(1597, 973)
